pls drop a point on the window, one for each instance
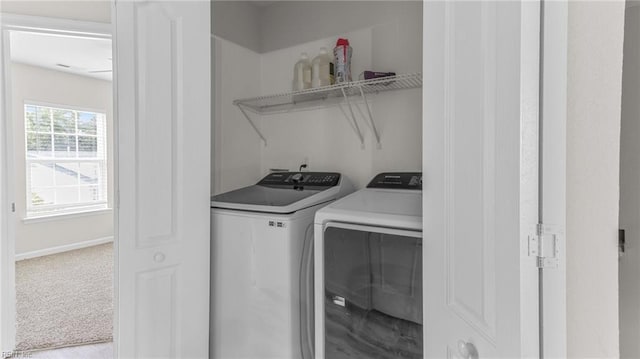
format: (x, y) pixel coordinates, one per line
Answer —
(66, 160)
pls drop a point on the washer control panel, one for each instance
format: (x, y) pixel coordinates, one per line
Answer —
(398, 180)
(286, 179)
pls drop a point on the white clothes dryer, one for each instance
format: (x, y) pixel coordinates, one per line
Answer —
(368, 271)
(262, 265)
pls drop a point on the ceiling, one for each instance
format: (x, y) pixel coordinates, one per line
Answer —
(77, 55)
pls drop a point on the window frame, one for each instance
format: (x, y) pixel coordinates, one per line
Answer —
(67, 208)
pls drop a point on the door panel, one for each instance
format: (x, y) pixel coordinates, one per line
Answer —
(470, 150)
(479, 193)
(163, 64)
(159, 87)
(156, 333)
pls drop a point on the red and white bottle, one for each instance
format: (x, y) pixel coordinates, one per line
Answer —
(342, 53)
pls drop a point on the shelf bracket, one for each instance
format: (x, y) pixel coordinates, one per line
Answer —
(373, 124)
(353, 117)
(255, 128)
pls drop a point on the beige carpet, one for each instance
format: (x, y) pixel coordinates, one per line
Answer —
(65, 299)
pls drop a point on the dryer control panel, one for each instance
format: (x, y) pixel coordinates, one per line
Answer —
(287, 179)
(397, 180)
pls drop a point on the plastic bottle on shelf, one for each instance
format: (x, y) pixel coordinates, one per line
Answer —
(321, 69)
(342, 53)
(302, 73)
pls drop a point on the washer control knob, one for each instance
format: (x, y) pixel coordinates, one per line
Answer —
(296, 178)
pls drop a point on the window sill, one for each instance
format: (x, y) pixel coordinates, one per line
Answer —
(65, 216)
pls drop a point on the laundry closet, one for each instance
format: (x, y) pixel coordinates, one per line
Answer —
(283, 150)
(255, 47)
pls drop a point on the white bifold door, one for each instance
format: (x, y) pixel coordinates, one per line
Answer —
(162, 64)
(480, 183)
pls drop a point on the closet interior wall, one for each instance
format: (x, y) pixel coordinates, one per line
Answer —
(322, 138)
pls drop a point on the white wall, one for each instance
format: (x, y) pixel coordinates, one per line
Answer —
(238, 22)
(279, 25)
(94, 10)
(322, 137)
(31, 83)
(630, 188)
(288, 23)
(236, 147)
(595, 37)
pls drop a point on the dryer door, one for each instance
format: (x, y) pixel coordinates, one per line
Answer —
(372, 292)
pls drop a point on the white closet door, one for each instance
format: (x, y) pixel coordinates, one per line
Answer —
(480, 179)
(163, 107)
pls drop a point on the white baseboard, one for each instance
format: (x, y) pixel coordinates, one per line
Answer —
(65, 248)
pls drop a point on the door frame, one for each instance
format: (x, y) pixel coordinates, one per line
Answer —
(552, 173)
(45, 25)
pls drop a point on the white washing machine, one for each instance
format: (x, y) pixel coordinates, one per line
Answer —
(262, 265)
(368, 271)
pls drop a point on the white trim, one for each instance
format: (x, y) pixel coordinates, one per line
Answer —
(64, 248)
(404, 232)
(554, 174)
(116, 184)
(7, 194)
(54, 26)
(57, 106)
(64, 209)
(66, 216)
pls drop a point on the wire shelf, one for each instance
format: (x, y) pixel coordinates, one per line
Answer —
(328, 95)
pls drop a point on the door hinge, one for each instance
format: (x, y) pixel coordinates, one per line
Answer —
(13, 207)
(544, 246)
(621, 240)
